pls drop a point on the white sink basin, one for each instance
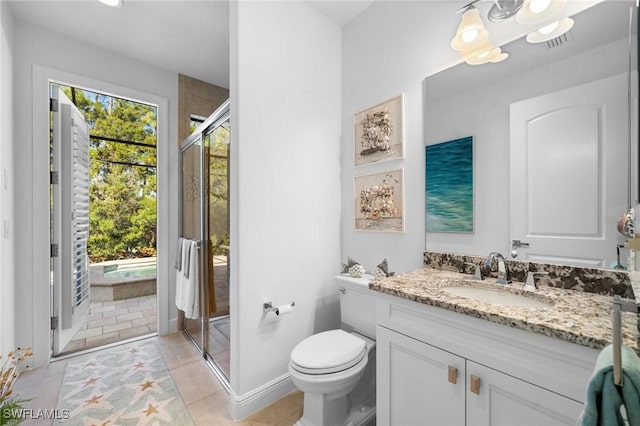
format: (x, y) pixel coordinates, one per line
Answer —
(496, 297)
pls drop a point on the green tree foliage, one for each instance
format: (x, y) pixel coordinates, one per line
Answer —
(122, 197)
(218, 149)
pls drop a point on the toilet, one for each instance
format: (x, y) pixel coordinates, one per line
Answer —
(336, 369)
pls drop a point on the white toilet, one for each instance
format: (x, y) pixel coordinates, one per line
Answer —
(336, 369)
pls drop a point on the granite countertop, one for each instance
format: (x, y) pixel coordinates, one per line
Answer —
(574, 316)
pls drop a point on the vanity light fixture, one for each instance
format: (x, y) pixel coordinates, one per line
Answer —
(471, 32)
(112, 3)
(550, 31)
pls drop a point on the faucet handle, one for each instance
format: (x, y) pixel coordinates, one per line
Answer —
(530, 284)
(477, 274)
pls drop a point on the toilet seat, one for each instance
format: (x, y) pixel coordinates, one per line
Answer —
(328, 352)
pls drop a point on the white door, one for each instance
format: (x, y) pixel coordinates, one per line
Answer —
(70, 224)
(569, 173)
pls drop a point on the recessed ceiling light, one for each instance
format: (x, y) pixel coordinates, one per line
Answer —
(112, 3)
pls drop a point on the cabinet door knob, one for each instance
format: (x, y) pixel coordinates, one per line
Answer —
(453, 374)
(475, 384)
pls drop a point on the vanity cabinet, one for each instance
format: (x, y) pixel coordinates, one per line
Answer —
(413, 385)
(500, 399)
(437, 367)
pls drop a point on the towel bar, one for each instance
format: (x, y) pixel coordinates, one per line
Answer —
(619, 306)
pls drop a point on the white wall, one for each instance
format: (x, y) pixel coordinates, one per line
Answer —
(285, 112)
(36, 46)
(387, 50)
(7, 276)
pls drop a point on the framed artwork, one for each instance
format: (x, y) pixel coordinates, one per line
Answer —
(449, 186)
(379, 202)
(379, 132)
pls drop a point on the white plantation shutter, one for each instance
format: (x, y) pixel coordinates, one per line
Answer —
(70, 220)
(80, 209)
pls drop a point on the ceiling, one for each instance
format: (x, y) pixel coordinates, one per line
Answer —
(340, 12)
(190, 37)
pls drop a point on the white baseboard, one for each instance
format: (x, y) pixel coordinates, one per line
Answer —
(242, 406)
(173, 326)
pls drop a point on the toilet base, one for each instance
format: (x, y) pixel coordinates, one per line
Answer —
(322, 411)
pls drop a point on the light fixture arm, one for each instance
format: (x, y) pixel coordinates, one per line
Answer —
(466, 7)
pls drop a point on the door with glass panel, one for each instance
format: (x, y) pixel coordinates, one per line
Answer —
(205, 218)
(192, 219)
(216, 142)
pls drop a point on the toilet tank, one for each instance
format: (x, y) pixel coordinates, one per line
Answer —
(357, 304)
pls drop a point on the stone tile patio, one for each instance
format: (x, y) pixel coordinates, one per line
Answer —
(112, 321)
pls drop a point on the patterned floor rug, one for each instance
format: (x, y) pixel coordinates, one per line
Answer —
(125, 385)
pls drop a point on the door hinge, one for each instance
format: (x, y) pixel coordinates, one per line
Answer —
(54, 323)
(53, 105)
(54, 250)
(54, 177)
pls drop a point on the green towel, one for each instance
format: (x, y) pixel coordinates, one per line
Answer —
(604, 398)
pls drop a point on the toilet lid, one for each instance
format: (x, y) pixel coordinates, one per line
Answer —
(328, 352)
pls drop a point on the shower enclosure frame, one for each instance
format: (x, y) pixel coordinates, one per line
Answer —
(219, 117)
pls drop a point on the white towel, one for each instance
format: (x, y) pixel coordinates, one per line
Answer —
(178, 264)
(180, 279)
(191, 294)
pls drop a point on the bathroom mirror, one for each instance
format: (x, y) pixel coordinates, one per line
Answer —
(569, 194)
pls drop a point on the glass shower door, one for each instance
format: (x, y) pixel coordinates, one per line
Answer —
(216, 142)
(205, 218)
(192, 216)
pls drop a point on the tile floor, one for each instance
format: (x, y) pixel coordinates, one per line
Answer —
(205, 399)
(112, 321)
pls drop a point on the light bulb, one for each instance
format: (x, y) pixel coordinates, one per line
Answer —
(469, 36)
(538, 6)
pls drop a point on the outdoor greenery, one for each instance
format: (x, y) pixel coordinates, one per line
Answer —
(218, 143)
(122, 177)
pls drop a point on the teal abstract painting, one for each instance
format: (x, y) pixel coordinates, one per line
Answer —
(449, 186)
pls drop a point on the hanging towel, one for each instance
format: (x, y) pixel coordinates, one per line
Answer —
(187, 261)
(180, 279)
(178, 264)
(192, 284)
(604, 398)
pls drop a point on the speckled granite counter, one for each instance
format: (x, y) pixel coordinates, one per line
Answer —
(574, 316)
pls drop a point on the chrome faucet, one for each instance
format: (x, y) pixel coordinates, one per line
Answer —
(503, 271)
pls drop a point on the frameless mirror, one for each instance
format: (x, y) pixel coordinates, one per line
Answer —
(554, 144)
